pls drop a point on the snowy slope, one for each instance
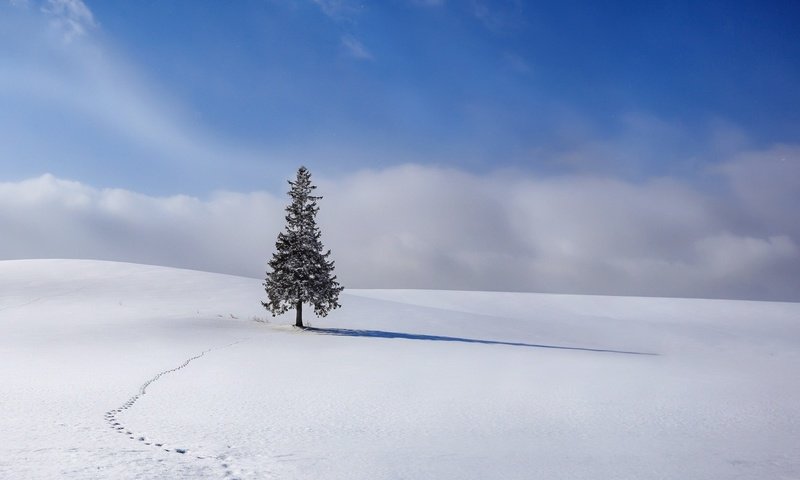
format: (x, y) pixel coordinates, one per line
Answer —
(398, 384)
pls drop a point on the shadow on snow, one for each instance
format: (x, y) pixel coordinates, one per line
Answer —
(344, 332)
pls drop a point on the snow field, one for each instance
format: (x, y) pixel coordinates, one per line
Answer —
(399, 391)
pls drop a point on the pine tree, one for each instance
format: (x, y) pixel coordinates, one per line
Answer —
(300, 271)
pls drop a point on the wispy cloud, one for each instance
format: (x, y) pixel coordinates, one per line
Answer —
(498, 16)
(517, 63)
(72, 17)
(108, 101)
(338, 9)
(355, 48)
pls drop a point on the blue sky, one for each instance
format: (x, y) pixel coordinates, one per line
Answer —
(636, 148)
(475, 84)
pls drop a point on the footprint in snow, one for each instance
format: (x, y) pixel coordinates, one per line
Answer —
(110, 416)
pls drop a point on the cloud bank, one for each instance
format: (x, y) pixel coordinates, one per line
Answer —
(416, 226)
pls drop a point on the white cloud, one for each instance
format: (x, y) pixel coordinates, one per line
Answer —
(425, 227)
(50, 217)
(72, 17)
(338, 9)
(767, 185)
(355, 48)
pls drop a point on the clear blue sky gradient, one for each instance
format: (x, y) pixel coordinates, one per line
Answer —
(472, 84)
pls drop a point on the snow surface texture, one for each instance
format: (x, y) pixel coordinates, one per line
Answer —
(111, 370)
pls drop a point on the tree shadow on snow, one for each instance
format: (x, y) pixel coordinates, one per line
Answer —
(344, 332)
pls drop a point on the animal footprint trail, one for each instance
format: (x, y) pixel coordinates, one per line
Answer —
(112, 419)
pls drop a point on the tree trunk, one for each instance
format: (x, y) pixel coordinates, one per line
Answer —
(298, 322)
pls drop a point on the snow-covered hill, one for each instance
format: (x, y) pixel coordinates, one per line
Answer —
(111, 370)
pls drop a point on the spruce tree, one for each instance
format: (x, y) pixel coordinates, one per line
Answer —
(300, 270)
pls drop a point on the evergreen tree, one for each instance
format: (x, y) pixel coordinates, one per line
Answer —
(301, 272)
